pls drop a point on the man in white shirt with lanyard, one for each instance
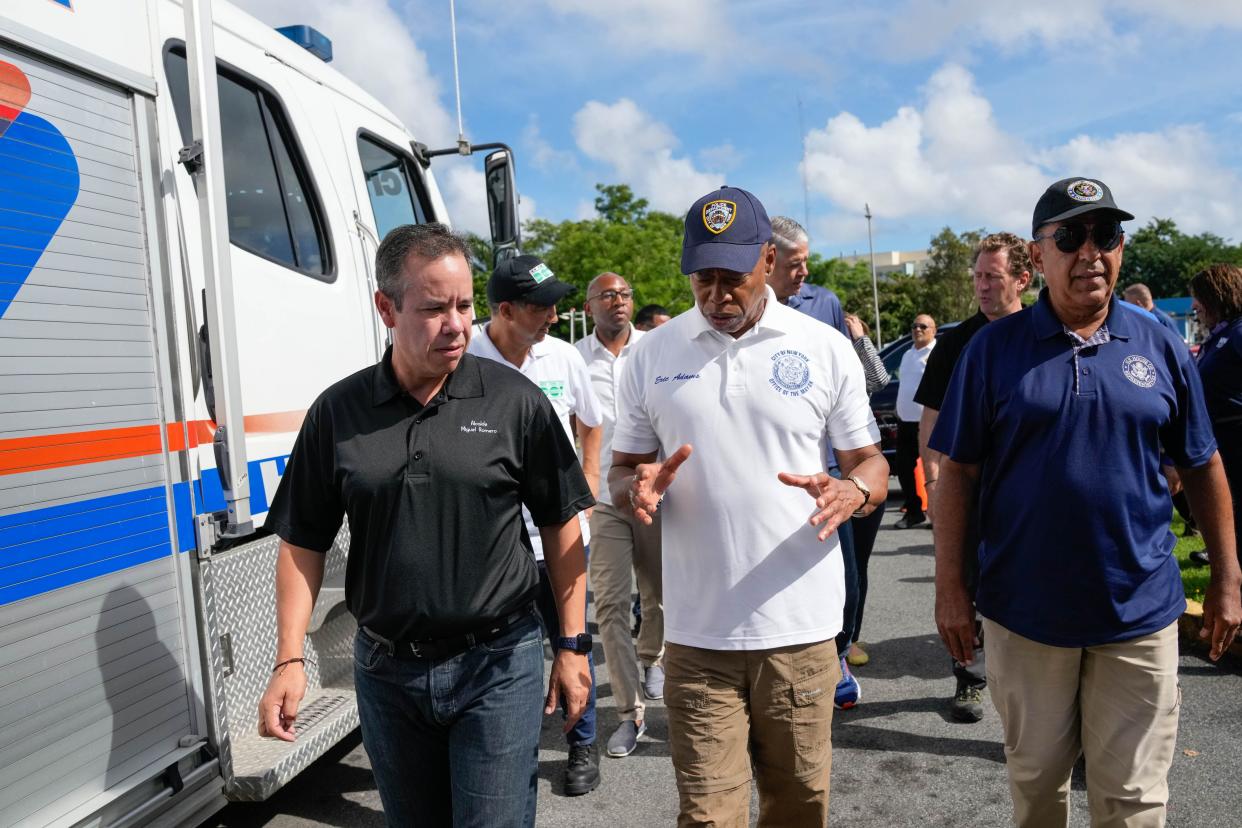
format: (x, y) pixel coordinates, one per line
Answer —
(523, 293)
(753, 579)
(623, 545)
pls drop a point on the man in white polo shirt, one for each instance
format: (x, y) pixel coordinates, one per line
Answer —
(622, 546)
(753, 578)
(523, 293)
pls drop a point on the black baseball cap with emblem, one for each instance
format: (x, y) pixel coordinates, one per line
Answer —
(526, 279)
(1071, 197)
(725, 228)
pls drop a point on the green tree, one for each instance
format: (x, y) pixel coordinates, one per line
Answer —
(480, 268)
(948, 293)
(616, 203)
(1164, 258)
(626, 238)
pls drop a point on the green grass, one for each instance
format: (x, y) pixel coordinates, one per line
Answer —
(1194, 576)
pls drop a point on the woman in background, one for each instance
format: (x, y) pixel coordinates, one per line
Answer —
(865, 528)
(1216, 295)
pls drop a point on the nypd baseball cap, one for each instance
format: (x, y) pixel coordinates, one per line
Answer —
(725, 228)
(1071, 197)
(526, 279)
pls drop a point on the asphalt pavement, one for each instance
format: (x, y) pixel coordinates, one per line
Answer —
(898, 758)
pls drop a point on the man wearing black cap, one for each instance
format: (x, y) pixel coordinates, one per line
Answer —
(1057, 416)
(753, 590)
(523, 292)
(431, 455)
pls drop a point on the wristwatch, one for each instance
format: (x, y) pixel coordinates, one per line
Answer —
(866, 493)
(580, 643)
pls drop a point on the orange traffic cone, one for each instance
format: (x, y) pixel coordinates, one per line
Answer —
(919, 488)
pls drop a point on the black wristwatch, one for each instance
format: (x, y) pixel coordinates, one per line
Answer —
(580, 643)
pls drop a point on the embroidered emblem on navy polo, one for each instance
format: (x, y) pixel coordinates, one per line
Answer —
(1084, 190)
(1139, 370)
(791, 373)
(540, 273)
(718, 215)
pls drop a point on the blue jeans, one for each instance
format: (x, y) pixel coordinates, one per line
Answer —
(455, 742)
(583, 732)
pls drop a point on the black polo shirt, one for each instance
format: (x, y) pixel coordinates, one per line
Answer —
(943, 359)
(433, 494)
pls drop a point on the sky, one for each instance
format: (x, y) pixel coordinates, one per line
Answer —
(935, 113)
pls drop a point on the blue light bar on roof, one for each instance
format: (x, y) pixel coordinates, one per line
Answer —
(310, 39)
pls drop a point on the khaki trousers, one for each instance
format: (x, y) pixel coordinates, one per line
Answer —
(622, 547)
(1117, 704)
(731, 710)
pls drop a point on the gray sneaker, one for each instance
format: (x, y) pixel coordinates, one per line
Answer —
(967, 704)
(623, 741)
(653, 682)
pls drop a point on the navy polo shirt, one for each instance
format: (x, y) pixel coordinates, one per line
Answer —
(1075, 546)
(1220, 368)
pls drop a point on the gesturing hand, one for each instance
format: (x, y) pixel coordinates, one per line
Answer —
(651, 481)
(835, 500)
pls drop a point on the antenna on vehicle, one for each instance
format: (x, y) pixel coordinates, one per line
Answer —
(463, 146)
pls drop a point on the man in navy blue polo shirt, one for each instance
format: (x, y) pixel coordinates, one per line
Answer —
(1057, 415)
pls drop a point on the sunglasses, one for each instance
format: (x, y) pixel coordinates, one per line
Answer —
(1070, 237)
(919, 326)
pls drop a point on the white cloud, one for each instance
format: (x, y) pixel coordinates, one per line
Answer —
(1171, 174)
(542, 155)
(645, 26)
(381, 56)
(952, 163)
(639, 149)
(585, 211)
(725, 156)
(924, 27)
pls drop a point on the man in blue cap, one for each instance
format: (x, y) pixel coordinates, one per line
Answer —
(753, 579)
(1057, 417)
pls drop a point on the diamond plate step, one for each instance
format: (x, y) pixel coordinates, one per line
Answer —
(262, 764)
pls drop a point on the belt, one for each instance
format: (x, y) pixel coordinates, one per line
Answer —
(438, 649)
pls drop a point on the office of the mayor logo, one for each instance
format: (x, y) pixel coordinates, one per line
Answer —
(791, 373)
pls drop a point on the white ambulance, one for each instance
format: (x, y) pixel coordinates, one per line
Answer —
(152, 384)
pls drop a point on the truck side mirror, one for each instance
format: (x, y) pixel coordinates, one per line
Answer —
(502, 205)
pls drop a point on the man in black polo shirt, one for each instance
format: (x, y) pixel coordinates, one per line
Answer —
(1001, 271)
(430, 455)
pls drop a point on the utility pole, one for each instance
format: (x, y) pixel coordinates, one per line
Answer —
(875, 286)
(806, 196)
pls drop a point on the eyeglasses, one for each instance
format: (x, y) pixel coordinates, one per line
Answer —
(610, 296)
(919, 326)
(1069, 237)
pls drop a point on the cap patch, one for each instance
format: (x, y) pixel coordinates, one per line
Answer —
(1084, 190)
(540, 273)
(718, 215)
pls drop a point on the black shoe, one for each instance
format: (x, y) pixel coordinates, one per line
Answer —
(582, 770)
(1200, 556)
(909, 522)
(967, 704)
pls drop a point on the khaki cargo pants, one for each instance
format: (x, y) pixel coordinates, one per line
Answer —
(731, 710)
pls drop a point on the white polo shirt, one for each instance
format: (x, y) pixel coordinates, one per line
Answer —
(913, 364)
(559, 371)
(743, 568)
(605, 372)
